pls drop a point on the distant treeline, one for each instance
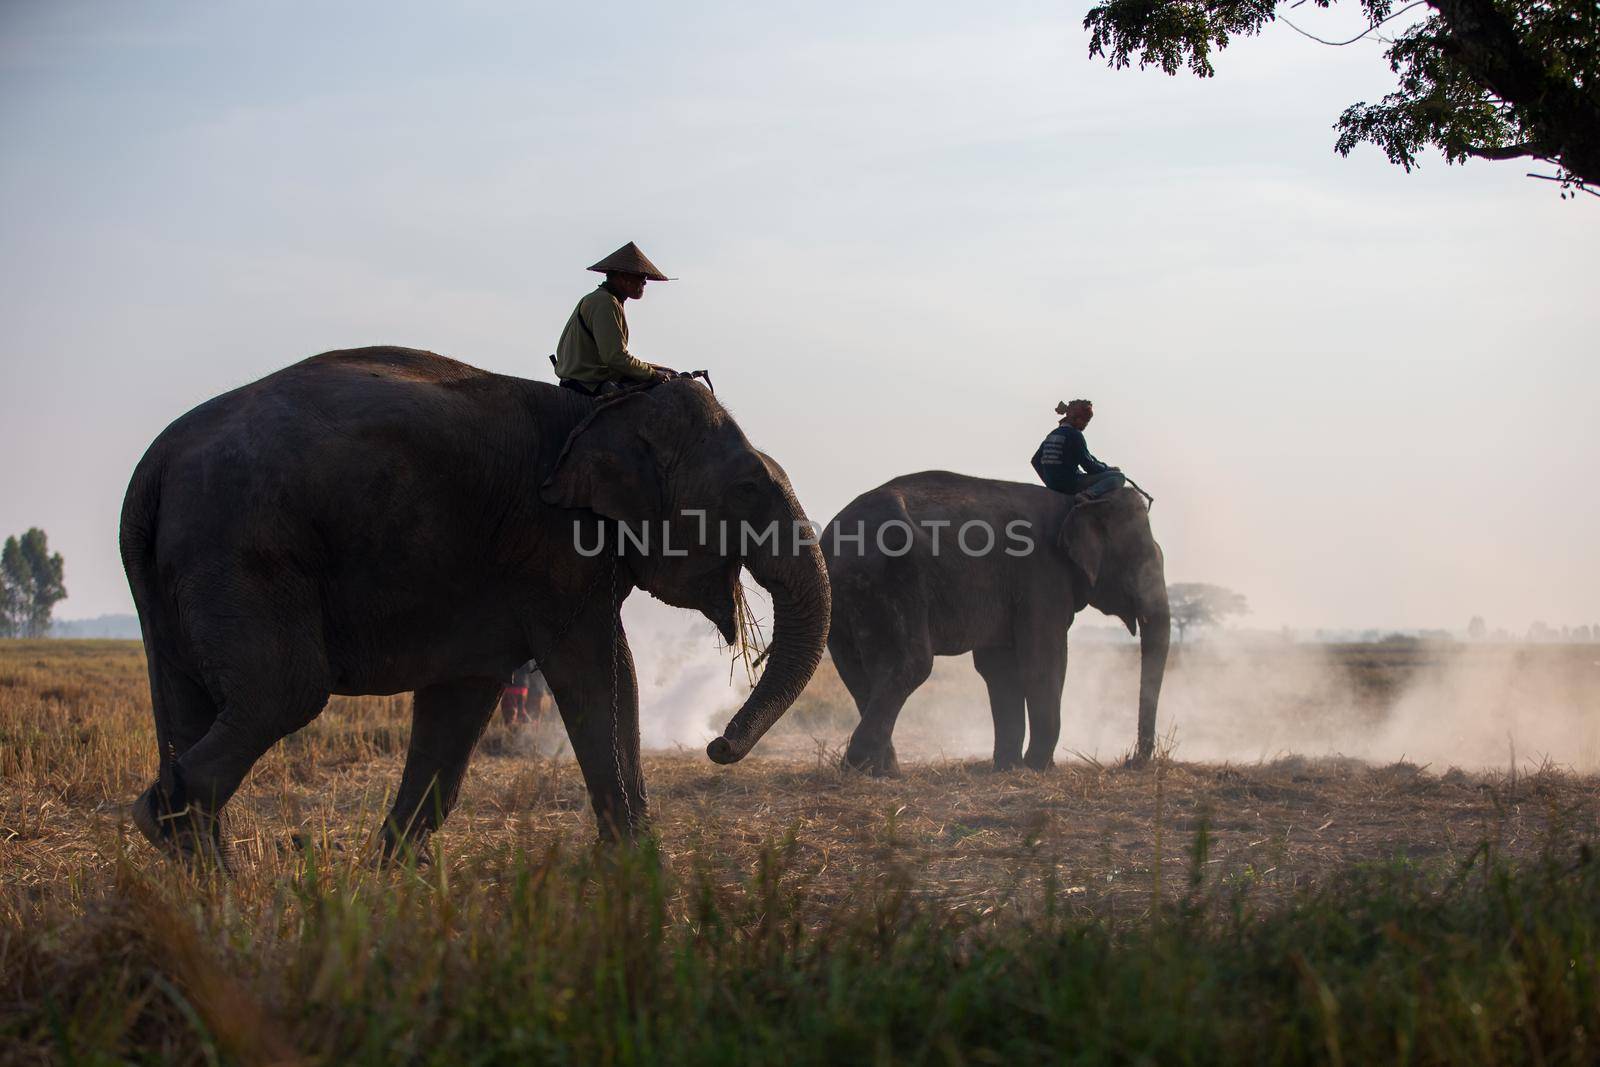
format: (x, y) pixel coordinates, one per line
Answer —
(122, 626)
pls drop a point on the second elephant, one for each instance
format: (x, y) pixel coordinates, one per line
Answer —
(939, 564)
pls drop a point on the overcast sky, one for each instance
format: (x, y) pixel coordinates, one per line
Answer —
(903, 231)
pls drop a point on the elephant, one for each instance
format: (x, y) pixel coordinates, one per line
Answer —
(1013, 566)
(383, 520)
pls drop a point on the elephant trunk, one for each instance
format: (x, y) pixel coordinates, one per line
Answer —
(798, 583)
(1155, 637)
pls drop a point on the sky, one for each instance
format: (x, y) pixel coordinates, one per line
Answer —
(902, 232)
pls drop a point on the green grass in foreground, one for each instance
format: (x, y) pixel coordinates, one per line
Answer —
(605, 958)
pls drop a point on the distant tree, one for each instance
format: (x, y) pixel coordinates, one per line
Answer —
(11, 592)
(1491, 79)
(1583, 633)
(1540, 631)
(1477, 628)
(30, 585)
(1200, 604)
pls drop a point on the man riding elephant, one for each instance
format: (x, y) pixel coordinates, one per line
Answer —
(346, 525)
(1064, 463)
(592, 355)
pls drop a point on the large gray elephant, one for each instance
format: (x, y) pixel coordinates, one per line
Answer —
(938, 564)
(381, 520)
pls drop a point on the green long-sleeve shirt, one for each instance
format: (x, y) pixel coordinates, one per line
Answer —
(594, 345)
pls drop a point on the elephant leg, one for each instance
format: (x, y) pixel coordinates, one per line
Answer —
(265, 699)
(446, 722)
(887, 654)
(1000, 672)
(184, 711)
(1042, 681)
(847, 661)
(871, 747)
(592, 680)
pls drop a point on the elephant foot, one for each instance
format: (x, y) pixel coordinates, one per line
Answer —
(1137, 760)
(1039, 763)
(300, 842)
(879, 763)
(185, 834)
(638, 851)
(1007, 762)
(402, 848)
(413, 854)
(633, 837)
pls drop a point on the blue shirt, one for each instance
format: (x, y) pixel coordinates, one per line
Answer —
(1060, 457)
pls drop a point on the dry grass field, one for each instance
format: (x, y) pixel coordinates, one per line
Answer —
(109, 952)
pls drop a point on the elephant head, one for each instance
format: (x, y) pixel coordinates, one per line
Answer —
(1111, 547)
(671, 462)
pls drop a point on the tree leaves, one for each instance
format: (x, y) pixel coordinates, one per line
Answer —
(1490, 79)
(31, 584)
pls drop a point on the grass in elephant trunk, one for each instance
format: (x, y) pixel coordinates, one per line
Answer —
(750, 649)
(788, 910)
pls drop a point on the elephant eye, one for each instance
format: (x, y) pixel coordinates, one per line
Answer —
(744, 493)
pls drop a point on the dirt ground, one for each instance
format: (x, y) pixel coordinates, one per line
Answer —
(76, 745)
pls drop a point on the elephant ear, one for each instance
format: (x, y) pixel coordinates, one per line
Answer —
(609, 465)
(1084, 541)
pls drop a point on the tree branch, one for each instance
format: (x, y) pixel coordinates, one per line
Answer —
(1340, 44)
(1485, 41)
(1571, 186)
(1535, 149)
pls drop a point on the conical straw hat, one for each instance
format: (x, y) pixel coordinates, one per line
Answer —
(629, 260)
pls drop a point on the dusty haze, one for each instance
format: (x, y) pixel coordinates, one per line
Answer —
(1467, 705)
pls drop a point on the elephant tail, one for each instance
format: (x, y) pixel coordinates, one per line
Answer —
(176, 699)
(136, 541)
(137, 534)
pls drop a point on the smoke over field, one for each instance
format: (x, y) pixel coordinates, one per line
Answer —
(1472, 706)
(1466, 706)
(687, 689)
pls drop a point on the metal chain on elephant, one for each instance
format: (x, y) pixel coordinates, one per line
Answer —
(616, 702)
(609, 576)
